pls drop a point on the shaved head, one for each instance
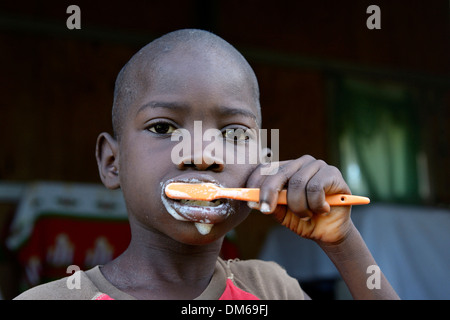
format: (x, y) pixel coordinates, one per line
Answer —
(144, 67)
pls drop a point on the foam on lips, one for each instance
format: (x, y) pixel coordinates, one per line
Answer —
(202, 213)
(201, 203)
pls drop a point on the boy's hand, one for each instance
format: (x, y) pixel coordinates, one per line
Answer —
(308, 214)
(307, 181)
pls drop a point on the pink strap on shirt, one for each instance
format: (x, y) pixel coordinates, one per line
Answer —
(102, 296)
(234, 293)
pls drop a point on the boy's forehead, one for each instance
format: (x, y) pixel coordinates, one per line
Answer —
(189, 67)
(190, 70)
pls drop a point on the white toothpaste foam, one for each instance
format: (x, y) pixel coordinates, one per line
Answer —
(203, 228)
(169, 209)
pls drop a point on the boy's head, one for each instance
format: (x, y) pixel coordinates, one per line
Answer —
(172, 83)
(144, 67)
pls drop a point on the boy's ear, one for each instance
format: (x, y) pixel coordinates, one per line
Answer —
(106, 152)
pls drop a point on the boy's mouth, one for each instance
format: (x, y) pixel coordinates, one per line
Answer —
(201, 203)
(204, 214)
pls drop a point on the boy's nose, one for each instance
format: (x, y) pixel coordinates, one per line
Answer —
(203, 166)
(216, 167)
(202, 162)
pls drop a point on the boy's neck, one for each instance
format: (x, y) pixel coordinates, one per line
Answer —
(158, 267)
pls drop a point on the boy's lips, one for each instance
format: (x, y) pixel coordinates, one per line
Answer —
(207, 212)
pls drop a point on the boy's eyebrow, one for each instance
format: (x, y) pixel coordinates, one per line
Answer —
(160, 104)
(237, 111)
(224, 110)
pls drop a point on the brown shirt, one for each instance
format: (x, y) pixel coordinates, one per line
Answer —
(265, 280)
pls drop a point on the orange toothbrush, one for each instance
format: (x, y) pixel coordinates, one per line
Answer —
(210, 192)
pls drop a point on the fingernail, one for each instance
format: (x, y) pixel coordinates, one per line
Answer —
(305, 218)
(253, 205)
(265, 208)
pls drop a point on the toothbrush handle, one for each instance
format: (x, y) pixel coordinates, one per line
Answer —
(252, 194)
(332, 199)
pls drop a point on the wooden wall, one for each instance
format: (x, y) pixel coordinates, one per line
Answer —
(57, 84)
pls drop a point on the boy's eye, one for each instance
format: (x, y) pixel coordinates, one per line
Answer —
(236, 135)
(162, 128)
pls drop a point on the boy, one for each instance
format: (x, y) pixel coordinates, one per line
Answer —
(182, 77)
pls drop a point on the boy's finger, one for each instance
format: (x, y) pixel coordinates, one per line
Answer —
(328, 180)
(255, 180)
(297, 194)
(269, 189)
(273, 184)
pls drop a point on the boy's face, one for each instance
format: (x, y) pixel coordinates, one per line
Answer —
(187, 87)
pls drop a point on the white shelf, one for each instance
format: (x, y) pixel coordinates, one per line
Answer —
(11, 191)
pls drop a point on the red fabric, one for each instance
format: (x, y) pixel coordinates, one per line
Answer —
(58, 242)
(234, 293)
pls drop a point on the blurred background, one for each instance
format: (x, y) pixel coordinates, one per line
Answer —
(373, 102)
